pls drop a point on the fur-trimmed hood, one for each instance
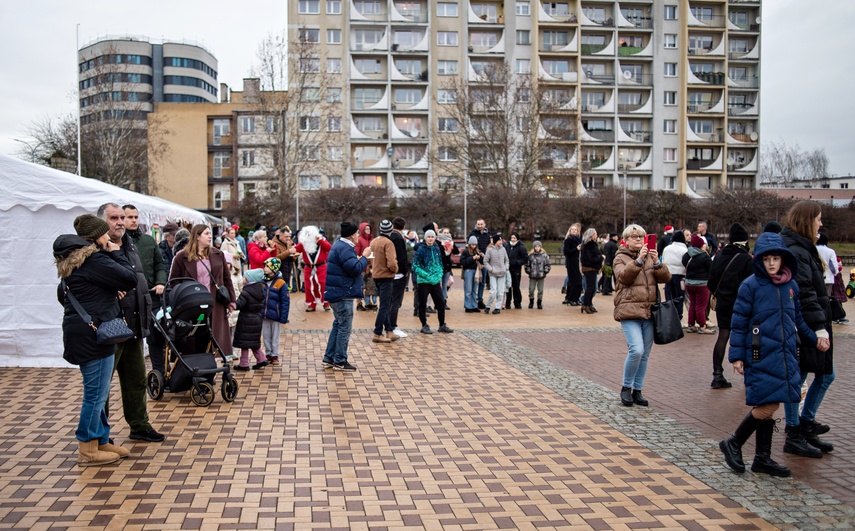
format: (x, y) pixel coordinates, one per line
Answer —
(70, 251)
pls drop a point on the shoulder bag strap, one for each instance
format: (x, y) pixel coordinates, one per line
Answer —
(723, 272)
(83, 315)
(209, 272)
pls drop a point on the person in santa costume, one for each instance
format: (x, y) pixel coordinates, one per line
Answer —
(314, 249)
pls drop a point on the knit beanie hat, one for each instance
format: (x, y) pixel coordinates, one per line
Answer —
(679, 237)
(348, 229)
(773, 226)
(254, 275)
(698, 241)
(385, 227)
(90, 227)
(473, 240)
(738, 233)
(428, 227)
(274, 264)
(430, 232)
(497, 238)
(537, 244)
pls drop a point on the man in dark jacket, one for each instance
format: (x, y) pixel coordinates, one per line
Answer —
(484, 240)
(136, 309)
(609, 251)
(517, 259)
(665, 240)
(733, 265)
(712, 244)
(399, 284)
(167, 245)
(155, 275)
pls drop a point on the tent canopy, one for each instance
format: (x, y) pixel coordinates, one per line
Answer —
(37, 204)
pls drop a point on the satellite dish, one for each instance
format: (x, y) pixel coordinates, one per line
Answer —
(754, 137)
(589, 73)
(627, 74)
(757, 20)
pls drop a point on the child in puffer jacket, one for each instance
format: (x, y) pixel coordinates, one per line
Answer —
(277, 303)
(767, 320)
(249, 322)
(536, 268)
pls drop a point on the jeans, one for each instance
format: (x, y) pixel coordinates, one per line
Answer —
(590, 287)
(384, 292)
(398, 288)
(270, 334)
(480, 294)
(470, 289)
(340, 333)
(445, 278)
(435, 292)
(497, 292)
(130, 364)
(813, 398)
(93, 423)
(639, 341)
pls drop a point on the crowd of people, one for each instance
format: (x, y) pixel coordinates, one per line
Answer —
(773, 307)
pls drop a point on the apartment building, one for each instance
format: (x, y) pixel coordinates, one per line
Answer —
(665, 93)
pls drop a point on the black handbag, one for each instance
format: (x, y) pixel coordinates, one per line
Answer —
(667, 327)
(222, 294)
(107, 333)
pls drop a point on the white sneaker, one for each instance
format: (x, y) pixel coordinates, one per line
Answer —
(400, 333)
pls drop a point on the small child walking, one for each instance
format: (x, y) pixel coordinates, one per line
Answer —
(249, 322)
(767, 319)
(277, 303)
(536, 268)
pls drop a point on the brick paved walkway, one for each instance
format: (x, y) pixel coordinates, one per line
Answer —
(511, 422)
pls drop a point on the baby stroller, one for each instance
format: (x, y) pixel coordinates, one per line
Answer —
(184, 319)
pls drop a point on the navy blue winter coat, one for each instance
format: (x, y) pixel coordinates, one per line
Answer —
(344, 272)
(775, 311)
(277, 303)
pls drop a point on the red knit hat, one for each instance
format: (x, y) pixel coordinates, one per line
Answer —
(698, 241)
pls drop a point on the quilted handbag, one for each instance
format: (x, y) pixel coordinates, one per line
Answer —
(109, 332)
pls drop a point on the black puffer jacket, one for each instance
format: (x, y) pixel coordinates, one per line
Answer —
(249, 323)
(730, 267)
(813, 297)
(571, 251)
(94, 277)
(590, 256)
(136, 304)
(517, 256)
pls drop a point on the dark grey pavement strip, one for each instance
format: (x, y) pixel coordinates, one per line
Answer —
(786, 503)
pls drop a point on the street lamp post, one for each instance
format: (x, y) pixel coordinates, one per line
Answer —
(624, 198)
(465, 206)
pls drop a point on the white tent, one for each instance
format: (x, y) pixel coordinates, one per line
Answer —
(37, 204)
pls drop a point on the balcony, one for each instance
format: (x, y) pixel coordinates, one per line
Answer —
(554, 14)
(626, 51)
(744, 82)
(751, 28)
(625, 108)
(715, 138)
(639, 23)
(606, 135)
(699, 164)
(707, 21)
(640, 136)
(628, 77)
(589, 49)
(738, 109)
(713, 78)
(408, 12)
(602, 79)
(701, 106)
(745, 138)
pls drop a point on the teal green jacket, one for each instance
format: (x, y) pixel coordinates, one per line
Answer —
(427, 263)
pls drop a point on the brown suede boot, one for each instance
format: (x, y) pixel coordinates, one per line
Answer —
(89, 455)
(123, 452)
(381, 339)
(392, 336)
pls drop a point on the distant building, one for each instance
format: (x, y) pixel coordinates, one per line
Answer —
(835, 191)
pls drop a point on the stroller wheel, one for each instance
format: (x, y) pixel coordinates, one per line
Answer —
(229, 388)
(155, 384)
(205, 398)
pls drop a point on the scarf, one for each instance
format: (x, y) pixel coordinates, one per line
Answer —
(783, 276)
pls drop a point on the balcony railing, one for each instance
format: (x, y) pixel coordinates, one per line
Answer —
(363, 104)
(711, 21)
(603, 134)
(629, 107)
(754, 28)
(641, 22)
(626, 51)
(714, 78)
(735, 109)
(640, 136)
(606, 23)
(606, 79)
(588, 49)
(700, 51)
(699, 164)
(743, 137)
(708, 137)
(741, 55)
(747, 82)
(700, 106)
(592, 106)
(738, 165)
(553, 47)
(636, 79)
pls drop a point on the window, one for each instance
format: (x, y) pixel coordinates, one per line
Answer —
(557, 66)
(247, 124)
(222, 193)
(310, 123)
(524, 95)
(737, 73)
(523, 37)
(447, 182)
(333, 66)
(553, 40)
(407, 39)
(333, 36)
(670, 183)
(670, 12)
(670, 126)
(310, 182)
(310, 65)
(447, 125)
(312, 36)
(523, 66)
(524, 9)
(309, 152)
(247, 158)
(670, 97)
(334, 181)
(700, 42)
(446, 9)
(309, 7)
(334, 153)
(271, 124)
(334, 95)
(702, 13)
(408, 95)
(368, 66)
(446, 68)
(334, 124)
(596, 14)
(446, 96)
(447, 153)
(482, 39)
(670, 69)
(669, 155)
(703, 127)
(333, 7)
(365, 97)
(222, 127)
(222, 161)
(446, 38)
(409, 66)
(670, 40)
(310, 94)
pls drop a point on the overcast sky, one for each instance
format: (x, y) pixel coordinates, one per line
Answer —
(807, 67)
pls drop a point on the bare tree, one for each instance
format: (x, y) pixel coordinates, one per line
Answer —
(784, 163)
(421, 209)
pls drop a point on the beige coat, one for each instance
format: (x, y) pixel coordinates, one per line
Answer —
(636, 285)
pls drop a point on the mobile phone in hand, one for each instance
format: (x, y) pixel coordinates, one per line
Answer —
(650, 241)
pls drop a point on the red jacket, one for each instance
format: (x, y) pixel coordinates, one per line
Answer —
(257, 255)
(323, 251)
(364, 241)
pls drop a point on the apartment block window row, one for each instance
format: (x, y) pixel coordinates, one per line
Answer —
(446, 38)
(523, 9)
(333, 7)
(446, 9)
(309, 7)
(310, 35)
(115, 95)
(184, 62)
(115, 59)
(187, 81)
(183, 98)
(115, 77)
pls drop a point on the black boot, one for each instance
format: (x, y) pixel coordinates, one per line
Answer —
(812, 437)
(719, 381)
(539, 304)
(732, 446)
(637, 399)
(530, 303)
(626, 396)
(763, 463)
(797, 444)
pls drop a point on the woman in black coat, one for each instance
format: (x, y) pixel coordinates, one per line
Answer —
(93, 270)
(572, 245)
(250, 321)
(800, 233)
(592, 261)
(517, 259)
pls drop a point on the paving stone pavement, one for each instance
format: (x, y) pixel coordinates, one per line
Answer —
(510, 422)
